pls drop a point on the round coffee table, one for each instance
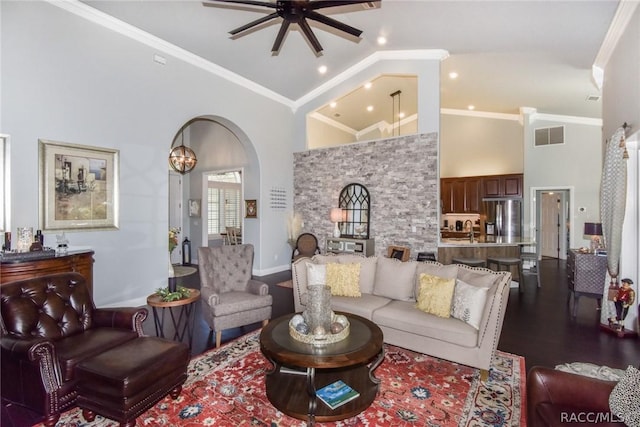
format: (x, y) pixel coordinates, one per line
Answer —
(300, 369)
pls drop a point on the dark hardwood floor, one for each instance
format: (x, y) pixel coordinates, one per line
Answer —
(537, 325)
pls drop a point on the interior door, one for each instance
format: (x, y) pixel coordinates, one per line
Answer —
(550, 223)
(175, 213)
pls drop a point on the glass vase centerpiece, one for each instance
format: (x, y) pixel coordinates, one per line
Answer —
(318, 324)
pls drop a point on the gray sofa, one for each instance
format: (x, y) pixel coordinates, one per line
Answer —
(389, 289)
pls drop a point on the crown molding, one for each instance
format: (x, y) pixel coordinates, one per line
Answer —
(333, 123)
(530, 115)
(384, 55)
(107, 21)
(98, 17)
(624, 13)
(482, 114)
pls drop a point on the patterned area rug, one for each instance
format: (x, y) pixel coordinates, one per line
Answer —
(225, 387)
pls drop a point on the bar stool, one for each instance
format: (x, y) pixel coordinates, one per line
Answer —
(533, 258)
(508, 262)
(471, 262)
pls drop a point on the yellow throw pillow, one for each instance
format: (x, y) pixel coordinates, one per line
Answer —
(344, 279)
(435, 295)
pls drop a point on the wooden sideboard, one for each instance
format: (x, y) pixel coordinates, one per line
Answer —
(78, 261)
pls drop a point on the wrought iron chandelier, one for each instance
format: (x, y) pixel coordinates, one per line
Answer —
(182, 159)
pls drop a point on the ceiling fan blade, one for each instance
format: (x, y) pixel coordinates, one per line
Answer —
(249, 2)
(306, 30)
(283, 31)
(333, 23)
(322, 4)
(253, 23)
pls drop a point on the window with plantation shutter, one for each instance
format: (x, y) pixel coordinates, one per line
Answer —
(224, 208)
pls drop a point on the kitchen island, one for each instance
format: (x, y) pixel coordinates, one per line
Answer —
(481, 248)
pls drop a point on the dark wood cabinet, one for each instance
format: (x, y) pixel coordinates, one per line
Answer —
(472, 197)
(460, 195)
(502, 185)
(80, 261)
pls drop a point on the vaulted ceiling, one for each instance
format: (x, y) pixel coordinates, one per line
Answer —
(508, 54)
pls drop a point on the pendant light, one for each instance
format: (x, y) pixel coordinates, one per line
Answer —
(182, 158)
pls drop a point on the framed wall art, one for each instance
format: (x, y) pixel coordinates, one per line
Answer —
(78, 187)
(194, 207)
(251, 208)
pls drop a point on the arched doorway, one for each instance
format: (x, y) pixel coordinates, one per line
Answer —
(220, 145)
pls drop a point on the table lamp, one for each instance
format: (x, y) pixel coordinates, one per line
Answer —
(336, 217)
(594, 231)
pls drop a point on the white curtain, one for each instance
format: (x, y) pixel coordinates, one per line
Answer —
(613, 196)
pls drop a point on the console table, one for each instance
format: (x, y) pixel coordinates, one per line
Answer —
(586, 277)
(78, 261)
(338, 245)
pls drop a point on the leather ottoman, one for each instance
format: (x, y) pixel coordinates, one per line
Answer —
(124, 382)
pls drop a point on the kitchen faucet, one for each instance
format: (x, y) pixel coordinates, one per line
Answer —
(470, 229)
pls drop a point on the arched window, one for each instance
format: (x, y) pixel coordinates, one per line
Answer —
(354, 201)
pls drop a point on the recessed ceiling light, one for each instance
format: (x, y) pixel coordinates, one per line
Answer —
(370, 108)
(382, 40)
(333, 104)
(453, 75)
(471, 107)
(322, 69)
(367, 85)
(401, 115)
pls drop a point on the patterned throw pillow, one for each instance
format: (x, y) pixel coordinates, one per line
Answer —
(624, 400)
(468, 303)
(344, 279)
(435, 295)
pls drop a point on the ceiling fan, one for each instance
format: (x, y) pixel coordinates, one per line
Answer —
(297, 12)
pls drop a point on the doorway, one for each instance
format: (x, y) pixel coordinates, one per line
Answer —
(175, 213)
(553, 215)
(222, 195)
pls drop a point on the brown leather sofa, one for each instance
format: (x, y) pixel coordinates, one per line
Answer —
(49, 324)
(557, 398)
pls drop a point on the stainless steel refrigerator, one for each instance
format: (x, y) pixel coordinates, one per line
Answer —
(504, 217)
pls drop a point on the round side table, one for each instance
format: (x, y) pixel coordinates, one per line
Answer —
(183, 321)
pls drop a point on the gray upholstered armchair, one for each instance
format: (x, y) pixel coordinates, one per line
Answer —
(230, 297)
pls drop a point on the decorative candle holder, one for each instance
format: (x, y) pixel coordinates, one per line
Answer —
(318, 324)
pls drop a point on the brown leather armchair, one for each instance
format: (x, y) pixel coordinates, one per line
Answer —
(50, 324)
(557, 398)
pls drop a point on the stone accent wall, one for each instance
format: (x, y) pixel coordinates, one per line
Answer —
(401, 175)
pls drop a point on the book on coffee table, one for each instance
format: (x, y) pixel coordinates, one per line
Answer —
(336, 394)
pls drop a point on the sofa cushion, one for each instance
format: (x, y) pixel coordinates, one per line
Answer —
(395, 279)
(435, 295)
(478, 277)
(366, 305)
(324, 259)
(367, 270)
(316, 274)
(343, 279)
(468, 303)
(403, 316)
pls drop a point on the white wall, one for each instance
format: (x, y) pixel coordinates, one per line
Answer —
(621, 103)
(67, 79)
(477, 145)
(575, 165)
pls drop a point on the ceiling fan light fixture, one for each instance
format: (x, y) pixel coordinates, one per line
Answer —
(298, 12)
